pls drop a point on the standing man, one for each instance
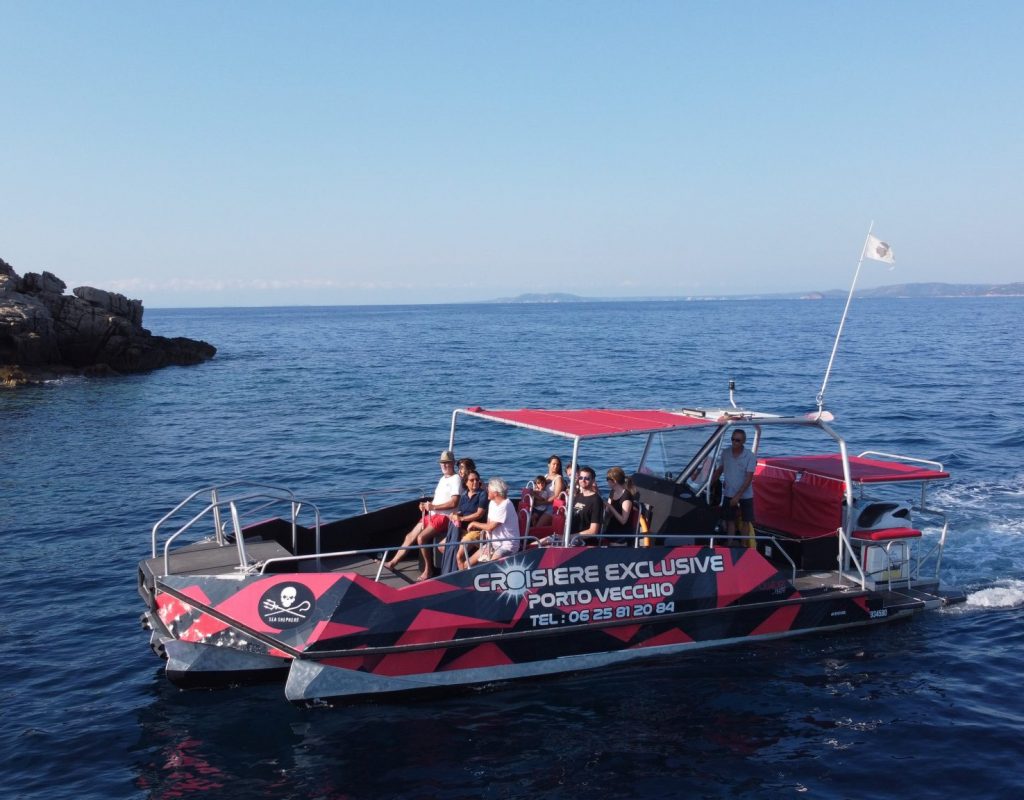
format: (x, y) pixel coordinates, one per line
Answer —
(737, 463)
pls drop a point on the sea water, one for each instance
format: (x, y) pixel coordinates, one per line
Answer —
(330, 401)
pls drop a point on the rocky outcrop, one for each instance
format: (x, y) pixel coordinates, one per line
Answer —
(44, 332)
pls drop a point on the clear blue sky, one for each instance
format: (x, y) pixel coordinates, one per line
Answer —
(258, 153)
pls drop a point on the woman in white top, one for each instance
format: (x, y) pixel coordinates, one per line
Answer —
(556, 486)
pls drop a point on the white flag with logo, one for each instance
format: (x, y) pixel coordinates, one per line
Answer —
(878, 250)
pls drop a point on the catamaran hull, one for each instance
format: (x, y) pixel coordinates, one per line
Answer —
(542, 612)
(197, 665)
(311, 681)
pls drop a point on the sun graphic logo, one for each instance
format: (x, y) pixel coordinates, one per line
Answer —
(511, 580)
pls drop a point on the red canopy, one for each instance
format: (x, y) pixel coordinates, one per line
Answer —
(862, 470)
(590, 423)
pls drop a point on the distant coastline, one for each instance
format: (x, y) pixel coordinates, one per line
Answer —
(902, 290)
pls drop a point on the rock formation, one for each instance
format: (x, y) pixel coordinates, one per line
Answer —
(45, 333)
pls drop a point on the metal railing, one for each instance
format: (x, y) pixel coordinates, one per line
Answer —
(364, 496)
(847, 555)
(241, 507)
(936, 549)
(382, 552)
(691, 538)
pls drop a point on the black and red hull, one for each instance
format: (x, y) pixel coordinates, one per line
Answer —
(548, 610)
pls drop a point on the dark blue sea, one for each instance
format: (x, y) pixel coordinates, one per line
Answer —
(328, 401)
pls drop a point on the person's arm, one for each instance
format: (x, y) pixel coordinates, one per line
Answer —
(449, 505)
(746, 483)
(610, 507)
(466, 519)
(737, 496)
(627, 509)
(486, 525)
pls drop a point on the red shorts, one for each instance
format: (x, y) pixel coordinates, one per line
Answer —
(439, 522)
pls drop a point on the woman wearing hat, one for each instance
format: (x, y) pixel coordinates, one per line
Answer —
(435, 516)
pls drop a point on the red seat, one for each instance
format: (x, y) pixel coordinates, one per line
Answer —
(557, 525)
(885, 534)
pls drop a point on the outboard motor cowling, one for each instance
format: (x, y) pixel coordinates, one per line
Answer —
(876, 515)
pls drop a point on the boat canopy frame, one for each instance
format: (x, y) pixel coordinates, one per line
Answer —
(578, 425)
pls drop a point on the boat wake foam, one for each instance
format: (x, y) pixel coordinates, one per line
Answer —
(1005, 594)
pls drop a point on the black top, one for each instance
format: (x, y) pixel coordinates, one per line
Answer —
(586, 511)
(614, 526)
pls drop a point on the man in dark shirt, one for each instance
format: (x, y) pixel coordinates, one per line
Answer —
(587, 508)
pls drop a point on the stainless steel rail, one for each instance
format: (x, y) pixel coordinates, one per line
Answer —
(214, 502)
(381, 551)
(362, 497)
(235, 505)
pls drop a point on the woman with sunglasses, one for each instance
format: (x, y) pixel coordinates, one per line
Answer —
(472, 508)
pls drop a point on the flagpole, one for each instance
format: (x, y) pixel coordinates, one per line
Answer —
(835, 345)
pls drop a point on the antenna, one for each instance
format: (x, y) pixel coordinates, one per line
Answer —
(820, 399)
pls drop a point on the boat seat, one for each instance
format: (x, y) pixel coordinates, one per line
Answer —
(557, 525)
(887, 534)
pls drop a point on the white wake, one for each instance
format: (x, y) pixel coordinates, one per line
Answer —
(1004, 594)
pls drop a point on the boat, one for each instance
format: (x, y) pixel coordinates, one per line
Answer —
(247, 583)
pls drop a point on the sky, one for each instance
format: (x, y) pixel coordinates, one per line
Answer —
(267, 153)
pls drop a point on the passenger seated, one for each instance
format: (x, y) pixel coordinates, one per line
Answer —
(556, 485)
(472, 502)
(541, 499)
(500, 533)
(622, 499)
(434, 522)
(466, 466)
(587, 509)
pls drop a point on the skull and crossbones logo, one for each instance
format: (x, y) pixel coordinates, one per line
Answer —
(289, 594)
